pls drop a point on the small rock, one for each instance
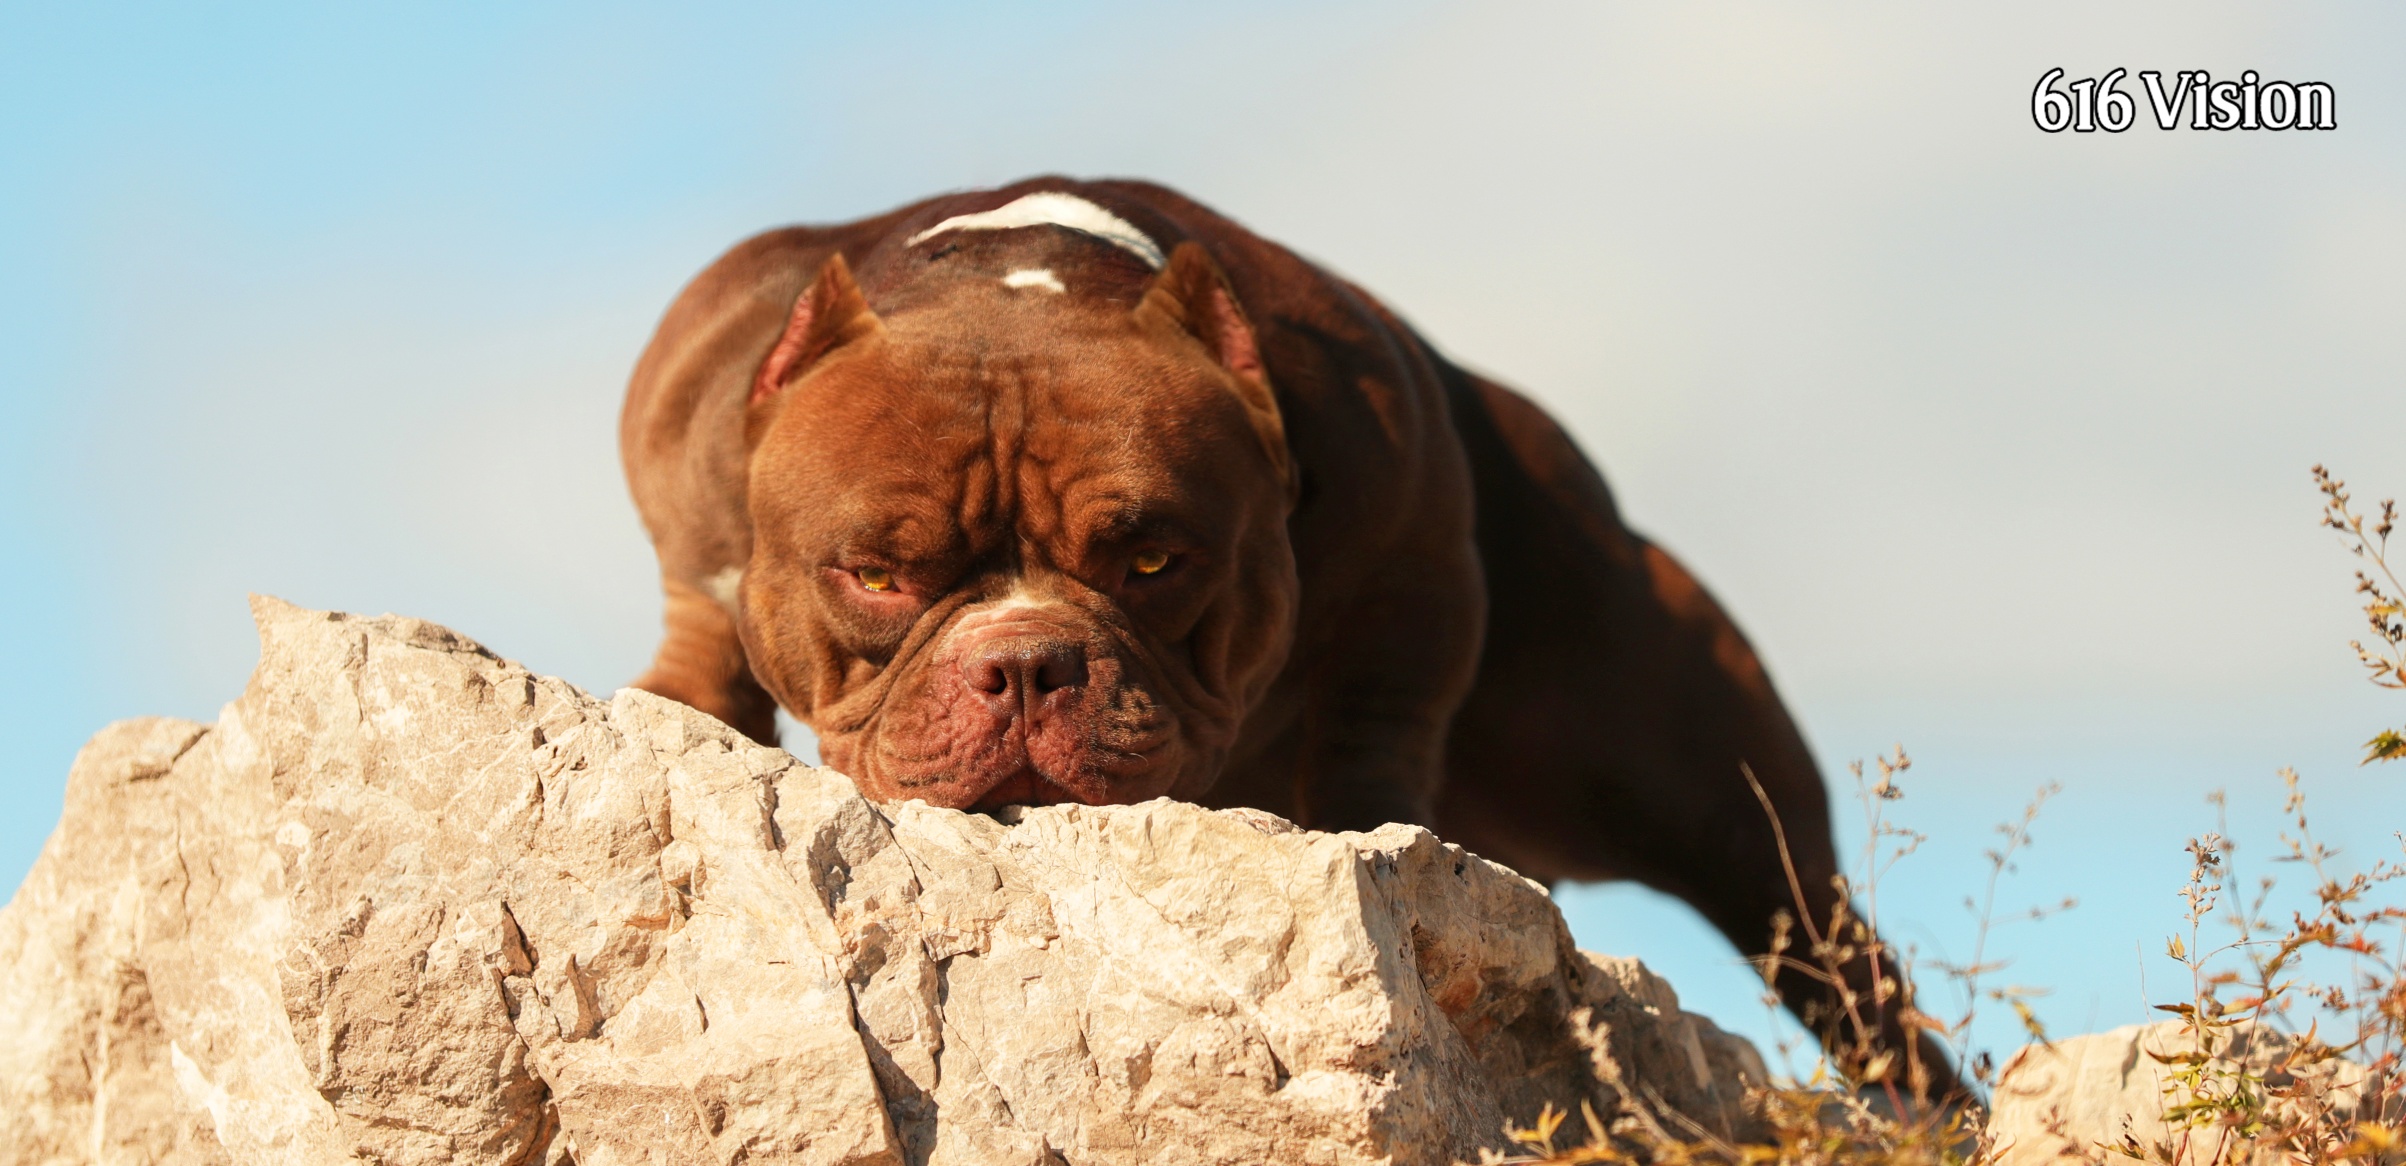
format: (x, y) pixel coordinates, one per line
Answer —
(2091, 1098)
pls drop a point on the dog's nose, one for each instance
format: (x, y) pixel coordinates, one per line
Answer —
(1025, 669)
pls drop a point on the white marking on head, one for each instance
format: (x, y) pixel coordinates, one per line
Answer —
(1042, 277)
(1056, 209)
(1020, 596)
(722, 586)
(1020, 599)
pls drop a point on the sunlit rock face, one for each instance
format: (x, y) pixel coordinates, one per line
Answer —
(2083, 1097)
(407, 902)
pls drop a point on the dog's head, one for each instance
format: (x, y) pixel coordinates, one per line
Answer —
(1015, 540)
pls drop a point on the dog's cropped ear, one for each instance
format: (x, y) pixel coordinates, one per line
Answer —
(1191, 295)
(829, 315)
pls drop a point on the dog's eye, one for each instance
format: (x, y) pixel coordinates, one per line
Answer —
(875, 578)
(1151, 562)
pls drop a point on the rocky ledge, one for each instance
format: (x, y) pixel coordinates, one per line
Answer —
(407, 902)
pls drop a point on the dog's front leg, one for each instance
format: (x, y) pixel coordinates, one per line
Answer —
(1384, 689)
(701, 662)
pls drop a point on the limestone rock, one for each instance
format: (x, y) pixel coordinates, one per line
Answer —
(2085, 1097)
(407, 902)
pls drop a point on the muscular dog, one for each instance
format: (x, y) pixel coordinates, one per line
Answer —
(1082, 492)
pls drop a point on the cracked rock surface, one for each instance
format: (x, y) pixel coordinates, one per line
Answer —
(407, 902)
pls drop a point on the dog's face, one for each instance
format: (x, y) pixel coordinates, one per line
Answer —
(1016, 545)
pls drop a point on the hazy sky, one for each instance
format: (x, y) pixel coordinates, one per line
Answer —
(1994, 440)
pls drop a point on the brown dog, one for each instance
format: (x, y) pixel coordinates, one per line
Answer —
(1081, 492)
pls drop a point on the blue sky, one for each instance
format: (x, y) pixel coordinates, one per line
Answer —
(1995, 441)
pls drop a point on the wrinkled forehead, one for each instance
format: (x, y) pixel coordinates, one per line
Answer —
(1054, 405)
(985, 409)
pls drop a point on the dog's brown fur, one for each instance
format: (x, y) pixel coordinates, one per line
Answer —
(1394, 591)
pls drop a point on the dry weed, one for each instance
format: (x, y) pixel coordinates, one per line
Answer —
(2251, 1086)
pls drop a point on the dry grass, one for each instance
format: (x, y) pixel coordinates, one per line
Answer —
(2294, 1029)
